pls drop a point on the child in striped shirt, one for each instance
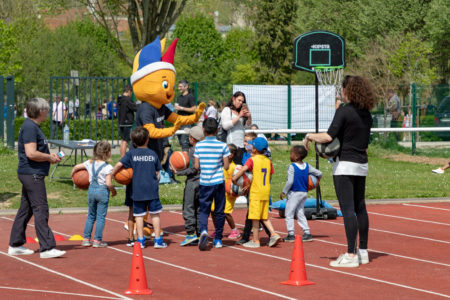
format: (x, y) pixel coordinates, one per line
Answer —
(211, 156)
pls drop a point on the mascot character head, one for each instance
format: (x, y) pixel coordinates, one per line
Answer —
(153, 77)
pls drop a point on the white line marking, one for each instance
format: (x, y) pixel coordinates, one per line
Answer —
(347, 273)
(65, 276)
(409, 219)
(395, 233)
(55, 292)
(207, 275)
(423, 206)
(183, 268)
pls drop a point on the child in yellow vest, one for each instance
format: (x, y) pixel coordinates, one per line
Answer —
(229, 198)
(262, 169)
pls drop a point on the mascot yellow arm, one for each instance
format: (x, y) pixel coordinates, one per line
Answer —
(159, 133)
(178, 120)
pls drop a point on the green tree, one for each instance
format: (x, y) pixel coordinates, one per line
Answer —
(200, 50)
(275, 31)
(8, 49)
(146, 20)
(437, 28)
(81, 45)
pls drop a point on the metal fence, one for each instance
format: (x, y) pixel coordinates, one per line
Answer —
(8, 114)
(91, 107)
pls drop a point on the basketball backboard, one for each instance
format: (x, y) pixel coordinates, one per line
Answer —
(318, 48)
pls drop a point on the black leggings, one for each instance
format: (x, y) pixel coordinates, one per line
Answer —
(350, 191)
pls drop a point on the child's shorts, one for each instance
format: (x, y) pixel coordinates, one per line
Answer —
(258, 210)
(229, 204)
(140, 208)
(128, 193)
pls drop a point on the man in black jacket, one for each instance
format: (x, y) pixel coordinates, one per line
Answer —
(126, 117)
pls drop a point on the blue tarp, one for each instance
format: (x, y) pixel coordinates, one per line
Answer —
(310, 203)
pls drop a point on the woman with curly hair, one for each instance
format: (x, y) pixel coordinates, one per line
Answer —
(351, 125)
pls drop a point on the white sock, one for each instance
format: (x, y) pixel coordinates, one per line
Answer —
(363, 251)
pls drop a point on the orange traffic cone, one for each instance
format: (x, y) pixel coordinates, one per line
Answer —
(138, 279)
(297, 273)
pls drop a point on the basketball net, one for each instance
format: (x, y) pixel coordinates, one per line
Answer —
(330, 80)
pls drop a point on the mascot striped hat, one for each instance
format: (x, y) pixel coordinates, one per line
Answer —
(149, 59)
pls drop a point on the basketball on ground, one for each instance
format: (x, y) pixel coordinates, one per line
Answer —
(313, 181)
(81, 179)
(179, 160)
(124, 176)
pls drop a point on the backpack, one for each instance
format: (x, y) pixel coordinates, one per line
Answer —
(222, 133)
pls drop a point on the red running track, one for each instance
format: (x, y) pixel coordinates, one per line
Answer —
(409, 246)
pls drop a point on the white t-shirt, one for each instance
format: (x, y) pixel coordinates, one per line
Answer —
(235, 133)
(58, 111)
(101, 179)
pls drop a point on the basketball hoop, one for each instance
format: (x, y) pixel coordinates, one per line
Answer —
(330, 78)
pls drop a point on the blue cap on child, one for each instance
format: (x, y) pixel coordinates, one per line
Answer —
(259, 143)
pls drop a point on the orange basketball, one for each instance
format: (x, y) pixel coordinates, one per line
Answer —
(124, 176)
(179, 160)
(81, 179)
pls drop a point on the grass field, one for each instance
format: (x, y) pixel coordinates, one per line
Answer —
(388, 178)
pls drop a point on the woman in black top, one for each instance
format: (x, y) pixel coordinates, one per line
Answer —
(34, 164)
(351, 125)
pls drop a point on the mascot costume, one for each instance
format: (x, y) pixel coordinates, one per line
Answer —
(153, 82)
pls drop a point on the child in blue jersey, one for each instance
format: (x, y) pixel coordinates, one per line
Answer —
(211, 156)
(145, 184)
(296, 189)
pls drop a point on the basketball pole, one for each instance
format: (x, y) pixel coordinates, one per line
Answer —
(318, 194)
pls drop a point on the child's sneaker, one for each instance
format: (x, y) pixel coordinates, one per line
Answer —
(290, 238)
(159, 244)
(130, 242)
(99, 244)
(345, 261)
(234, 234)
(307, 237)
(251, 244)
(189, 239)
(86, 243)
(274, 240)
(202, 245)
(217, 243)
(142, 242)
(363, 257)
(241, 242)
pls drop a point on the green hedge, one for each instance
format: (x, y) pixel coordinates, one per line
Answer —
(101, 132)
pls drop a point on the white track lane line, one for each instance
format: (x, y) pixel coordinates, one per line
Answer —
(55, 292)
(206, 274)
(423, 206)
(371, 250)
(65, 276)
(395, 233)
(409, 219)
(180, 267)
(332, 270)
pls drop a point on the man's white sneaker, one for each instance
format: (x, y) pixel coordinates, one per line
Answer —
(438, 171)
(21, 250)
(363, 257)
(52, 253)
(345, 261)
